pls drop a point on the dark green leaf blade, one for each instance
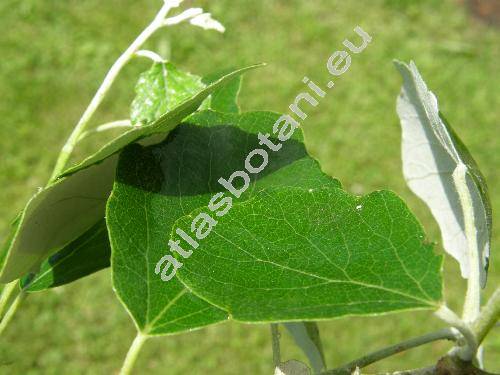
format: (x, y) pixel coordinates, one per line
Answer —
(310, 254)
(87, 254)
(156, 185)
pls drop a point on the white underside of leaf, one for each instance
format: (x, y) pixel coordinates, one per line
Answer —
(428, 170)
(57, 215)
(302, 338)
(429, 160)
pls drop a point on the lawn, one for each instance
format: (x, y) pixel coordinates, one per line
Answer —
(54, 55)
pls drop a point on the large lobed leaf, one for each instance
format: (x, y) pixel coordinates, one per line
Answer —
(158, 184)
(75, 201)
(337, 254)
(431, 153)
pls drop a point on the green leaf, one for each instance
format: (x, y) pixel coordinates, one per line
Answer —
(432, 153)
(156, 185)
(87, 254)
(64, 210)
(310, 254)
(161, 89)
(225, 99)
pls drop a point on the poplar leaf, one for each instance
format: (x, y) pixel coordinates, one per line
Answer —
(158, 184)
(431, 153)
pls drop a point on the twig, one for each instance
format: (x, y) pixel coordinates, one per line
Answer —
(7, 292)
(443, 334)
(11, 311)
(466, 352)
(490, 314)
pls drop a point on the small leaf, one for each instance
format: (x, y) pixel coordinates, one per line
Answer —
(306, 336)
(158, 184)
(64, 210)
(87, 254)
(205, 21)
(309, 254)
(432, 152)
(161, 89)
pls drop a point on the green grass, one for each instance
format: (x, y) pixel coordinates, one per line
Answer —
(54, 55)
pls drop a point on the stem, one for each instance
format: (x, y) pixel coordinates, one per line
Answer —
(158, 22)
(488, 318)
(473, 296)
(155, 57)
(11, 311)
(443, 334)
(275, 334)
(429, 370)
(133, 353)
(465, 352)
(107, 126)
(7, 292)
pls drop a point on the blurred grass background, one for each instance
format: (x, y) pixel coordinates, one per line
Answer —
(54, 55)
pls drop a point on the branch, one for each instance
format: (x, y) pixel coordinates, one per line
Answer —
(444, 334)
(490, 314)
(7, 292)
(11, 311)
(275, 334)
(465, 352)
